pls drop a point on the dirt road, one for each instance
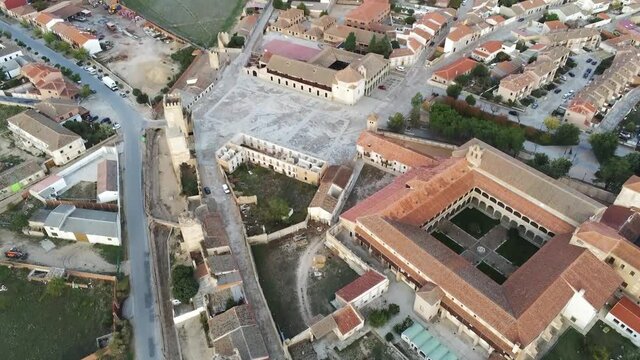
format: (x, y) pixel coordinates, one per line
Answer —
(302, 276)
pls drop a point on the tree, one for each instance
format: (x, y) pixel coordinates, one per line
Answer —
(604, 145)
(350, 42)
(281, 5)
(85, 91)
(55, 287)
(49, 38)
(539, 160)
(142, 98)
(409, 20)
(550, 17)
(558, 168)
(480, 71)
(417, 100)
(236, 42)
(470, 100)
(454, 90)
(520, 46)
(183, 284)
(502, 56)
(81, 54)
(551, 123)
(462, 80)
(324, 12)
(37, 32)
(454, 4)
(396, 122)
(304, 8)
(614, 173)
(395, 44)
(567, 134)
(414, 116)
(383, 47)
(373, 44)
(378, 318)
(39, 5)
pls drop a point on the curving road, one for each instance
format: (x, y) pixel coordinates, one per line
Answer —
(146, 324)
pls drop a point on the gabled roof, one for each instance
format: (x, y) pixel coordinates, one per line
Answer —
(459, 32)
(347, 319)
(458, 67)
(361, 285)
(628, 312)
(68, 31)
(12, 4)
(46, 130)
(107, 177)
(60, 109)
(394, 151)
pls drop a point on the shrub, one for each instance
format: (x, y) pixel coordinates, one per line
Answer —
(183, 284)
(394, 309)
(389, 337)
(378, 318)
(402, 326)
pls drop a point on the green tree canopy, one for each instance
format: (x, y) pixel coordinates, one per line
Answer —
(614, 173)
(414, 116)
(396, 122)
(551, 123)
(454, 90)
(567, 134)
(417, 100)
(480, 71)
(350, 42)
(604, 145)
(304, 8)
(183, 284)
(470, 100)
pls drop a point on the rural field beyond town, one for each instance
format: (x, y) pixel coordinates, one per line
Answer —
(196, 20)
(36, 325)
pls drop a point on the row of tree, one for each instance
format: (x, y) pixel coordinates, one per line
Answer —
(555, 168)
(397, 121)
(614, 170)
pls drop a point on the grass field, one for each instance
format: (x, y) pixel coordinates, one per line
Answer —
(451, 244)
(516, 249)
(598, 344)
(196, 20)
(37, 326)
(474, 222)
(494, 274)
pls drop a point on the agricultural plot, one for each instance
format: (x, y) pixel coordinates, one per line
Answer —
(196, 20)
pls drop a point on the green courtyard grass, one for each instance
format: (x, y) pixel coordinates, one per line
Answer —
(474, 222)
(516, 249)
(494, 274)
(270, 187)
(38, 326)
(597, 344)
(451, 244)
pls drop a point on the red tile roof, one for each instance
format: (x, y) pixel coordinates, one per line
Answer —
(633, 183)
(347, 319)
(368, 11)
(12, 4)
(628, 312)
(361, 285)
(555, 25)
(393, 151)
(459, 67)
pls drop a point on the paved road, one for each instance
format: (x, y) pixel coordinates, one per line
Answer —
(148, 340)
(17, 101)
(619, 110)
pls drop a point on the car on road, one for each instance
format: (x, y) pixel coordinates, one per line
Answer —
(16, 254)
(594, 63)
(521, 20)
(116, 126)
(513, 112)
(572, 74)
(400, 68)
(105, 121)
(207, 190)
(382, 87)
(123, 94)
(225, 188)
(534, 105)
(90, 70)
(589, 60)
(557, 91)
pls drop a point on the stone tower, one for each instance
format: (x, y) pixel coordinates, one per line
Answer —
(173, 113)
(372, 122)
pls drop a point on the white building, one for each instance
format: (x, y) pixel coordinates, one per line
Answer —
(107, 182)
(242, 148)
(624, 317)
(593, 6)
(94, 226)
(363, 290)
(37, 133)
(9, 52)
(326, 202)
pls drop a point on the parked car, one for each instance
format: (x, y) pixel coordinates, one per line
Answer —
(589, 60)
(382, 87)
(572, 74)
(594, 63)
(534, 105)
(207, 190)
(105, 121)
(225, 188)
(521, 20)
(400, 68)
(557, 91)
(513, 112)
(116, 126)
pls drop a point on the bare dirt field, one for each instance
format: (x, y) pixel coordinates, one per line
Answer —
(371, 180)
(142, 61)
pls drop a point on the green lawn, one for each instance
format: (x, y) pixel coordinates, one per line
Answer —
(474, 222)
(516, 249)
(35, 326)
(451, 244)
(7, 111)
(276, 194)
(112, 254)
(608, 345)
(491, 272)
(196, 20)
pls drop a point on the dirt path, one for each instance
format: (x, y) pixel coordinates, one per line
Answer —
(73, 256)
(302, 276)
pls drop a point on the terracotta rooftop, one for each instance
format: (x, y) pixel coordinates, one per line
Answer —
(347, 319)
(555, 25)
(107, 178)
(392, 150)
(458, 67)
(633, 183)
(628, 312)
(368, 11)
(459, 32)
(361, 285)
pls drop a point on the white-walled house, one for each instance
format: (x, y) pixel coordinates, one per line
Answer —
(93, 226)
(363, 290)
(624, 317)
(9, 52)
(107, 181)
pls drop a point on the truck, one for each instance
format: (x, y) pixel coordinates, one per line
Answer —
(111, 84)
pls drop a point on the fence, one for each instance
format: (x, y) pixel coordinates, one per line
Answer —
(80, 274)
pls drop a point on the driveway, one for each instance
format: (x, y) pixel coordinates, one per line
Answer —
(148, 340)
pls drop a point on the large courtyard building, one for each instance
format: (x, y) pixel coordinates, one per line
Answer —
(581, 253)
(246, 148)
(332, 74)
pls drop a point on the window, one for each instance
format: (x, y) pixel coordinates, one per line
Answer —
(616, 321)
(629, 331)
(54, 234)
(632, 273)
(573, 319)
(624, 285)
(621, 266)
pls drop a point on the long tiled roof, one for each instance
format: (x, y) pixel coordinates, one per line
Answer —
(628, 312)
(392, 150)
(44, 129)
(361, 285)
